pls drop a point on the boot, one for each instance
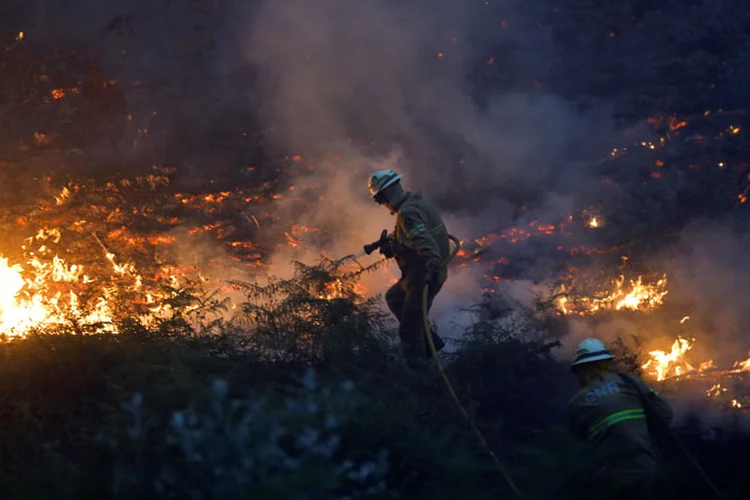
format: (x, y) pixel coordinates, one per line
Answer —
(439, 343)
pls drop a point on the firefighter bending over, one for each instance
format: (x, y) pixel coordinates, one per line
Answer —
(421, 247)
(614, 413)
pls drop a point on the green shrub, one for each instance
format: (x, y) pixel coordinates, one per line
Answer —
(267, 429)
(240, 448)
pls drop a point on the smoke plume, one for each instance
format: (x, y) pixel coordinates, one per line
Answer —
(381, 84)
(467, 99)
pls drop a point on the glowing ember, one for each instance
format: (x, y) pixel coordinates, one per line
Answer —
(291, 241)
(593, 222)
(338, 289)
(512, 235)
(673, 122)
(715, 391)
(706, 365)
(334, 290)
(63, 196)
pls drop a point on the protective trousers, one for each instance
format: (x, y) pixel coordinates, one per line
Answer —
(404, 299)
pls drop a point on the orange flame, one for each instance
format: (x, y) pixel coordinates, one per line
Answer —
(742, 366)
(666, 364)
(663, 365)
(46, 291)
(634, 296)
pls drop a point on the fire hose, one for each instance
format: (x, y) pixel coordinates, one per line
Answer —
(449, 386)
(383, 240)
(649, 407)
(504, 472)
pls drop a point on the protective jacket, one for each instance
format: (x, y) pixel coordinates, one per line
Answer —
(610, 415)
(421, 243)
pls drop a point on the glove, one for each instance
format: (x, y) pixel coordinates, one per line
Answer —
(387, 249)
(432, 280)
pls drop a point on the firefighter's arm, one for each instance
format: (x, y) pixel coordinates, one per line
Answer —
(576, 425)
(659, 405)
(577, 428)
(418, 238)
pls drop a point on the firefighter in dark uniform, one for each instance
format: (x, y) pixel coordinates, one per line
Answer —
(614, 414)
(421, 247)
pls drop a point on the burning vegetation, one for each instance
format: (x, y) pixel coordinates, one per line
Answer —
(92, 252)
(633, 296)
(127, 224)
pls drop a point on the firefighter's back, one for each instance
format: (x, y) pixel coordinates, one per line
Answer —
(609, 414)
(415, 204)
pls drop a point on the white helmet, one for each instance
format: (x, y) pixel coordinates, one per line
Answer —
(382, 179)
(591, 350)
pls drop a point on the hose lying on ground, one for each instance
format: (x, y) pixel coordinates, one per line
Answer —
(449, 386)
(649, 407)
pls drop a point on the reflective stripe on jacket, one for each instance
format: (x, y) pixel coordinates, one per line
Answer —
(602, 425)
(421, 238)
(609, 414)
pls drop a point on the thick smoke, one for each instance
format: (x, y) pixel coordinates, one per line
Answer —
(377, 84)
(706, 300)
(355, 86)
(711, 284)
(176, 64)
(706, 305)
(382, 84)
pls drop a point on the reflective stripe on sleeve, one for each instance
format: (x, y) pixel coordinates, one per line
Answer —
(416, 230)
(608, 421)
(421, 228)
(436, 230)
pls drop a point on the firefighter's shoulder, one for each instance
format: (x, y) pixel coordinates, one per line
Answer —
(592, 394)
(424, 205)
(411, 215)
(411, 205)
